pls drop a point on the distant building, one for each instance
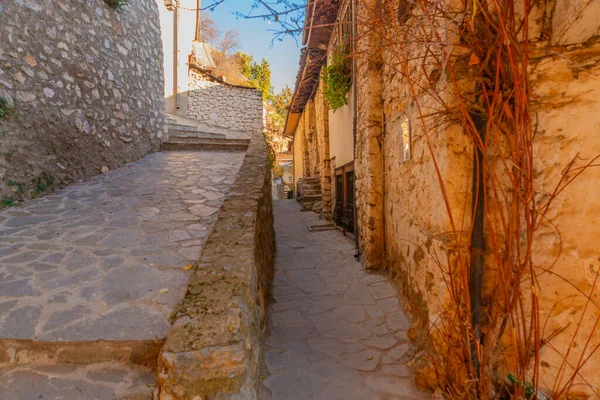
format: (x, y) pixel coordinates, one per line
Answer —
(182, 47)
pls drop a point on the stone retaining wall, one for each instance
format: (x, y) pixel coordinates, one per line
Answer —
(213, 349)
(226, 106)
(84, 86)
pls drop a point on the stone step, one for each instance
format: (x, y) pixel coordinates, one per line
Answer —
(192, 130)
(203, 145)
(311, 187)
(311, 181)
(194, 135)
(325, 226)
(74, 382)
(312, 197)
(311, 193)
(202, 138)
(182, 128)
(307, 206)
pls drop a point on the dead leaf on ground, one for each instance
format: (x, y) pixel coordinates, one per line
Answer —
(474, 60)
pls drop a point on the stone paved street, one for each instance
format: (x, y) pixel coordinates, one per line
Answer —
(103, 259)
(102, 381)
(336, 331)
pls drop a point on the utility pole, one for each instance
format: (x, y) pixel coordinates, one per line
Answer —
(198, 36)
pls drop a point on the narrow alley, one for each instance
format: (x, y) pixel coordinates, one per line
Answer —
(299, 200)
(336, 330)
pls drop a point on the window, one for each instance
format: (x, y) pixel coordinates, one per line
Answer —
(345, 29)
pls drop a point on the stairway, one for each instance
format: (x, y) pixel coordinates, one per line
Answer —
(309, 193)
(184, 136)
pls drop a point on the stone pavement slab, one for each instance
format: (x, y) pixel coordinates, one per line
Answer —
(103, 260)
(336, 330)
(103, 381)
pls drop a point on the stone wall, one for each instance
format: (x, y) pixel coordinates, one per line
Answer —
(566, 102)
(84, 86)
(413, 225)
(227, 106)
(322, 133)
(213, 350)
(368, 166)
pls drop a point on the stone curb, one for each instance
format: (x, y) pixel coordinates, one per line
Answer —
(23, 352)
(213, 349)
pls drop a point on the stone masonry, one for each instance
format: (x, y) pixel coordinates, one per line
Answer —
(91, 274)
(322, 133)
(336, 330)
(224, 105)
(214, 349)
(404, 227)
(84, 86)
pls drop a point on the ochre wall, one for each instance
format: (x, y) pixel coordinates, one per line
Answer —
(341, 142)
(312, 147)
(299, 153)
(415, 221)
(565, 109)
(312, 143)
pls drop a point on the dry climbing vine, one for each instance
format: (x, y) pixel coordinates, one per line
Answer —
(465, 66)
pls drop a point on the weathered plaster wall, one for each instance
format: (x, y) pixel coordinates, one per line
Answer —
(85, 87)
(567, 100)
(299, 150)
(223, 105)
(214, 348)
(312, 142)
(341, 129)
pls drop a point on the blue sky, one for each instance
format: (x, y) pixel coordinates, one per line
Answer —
(256, 40)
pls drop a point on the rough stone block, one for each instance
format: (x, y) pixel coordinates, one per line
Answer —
(214, 350)
(575, 21)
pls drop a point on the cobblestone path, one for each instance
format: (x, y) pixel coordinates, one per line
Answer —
(103, 260)
(336, 331)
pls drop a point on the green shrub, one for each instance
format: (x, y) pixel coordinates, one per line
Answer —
(3, 107)
(338, 80)
(117, 4)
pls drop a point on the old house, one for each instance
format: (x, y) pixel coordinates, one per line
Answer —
(466, 166)
(192, 89)
(323, 138)
(182, 46)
